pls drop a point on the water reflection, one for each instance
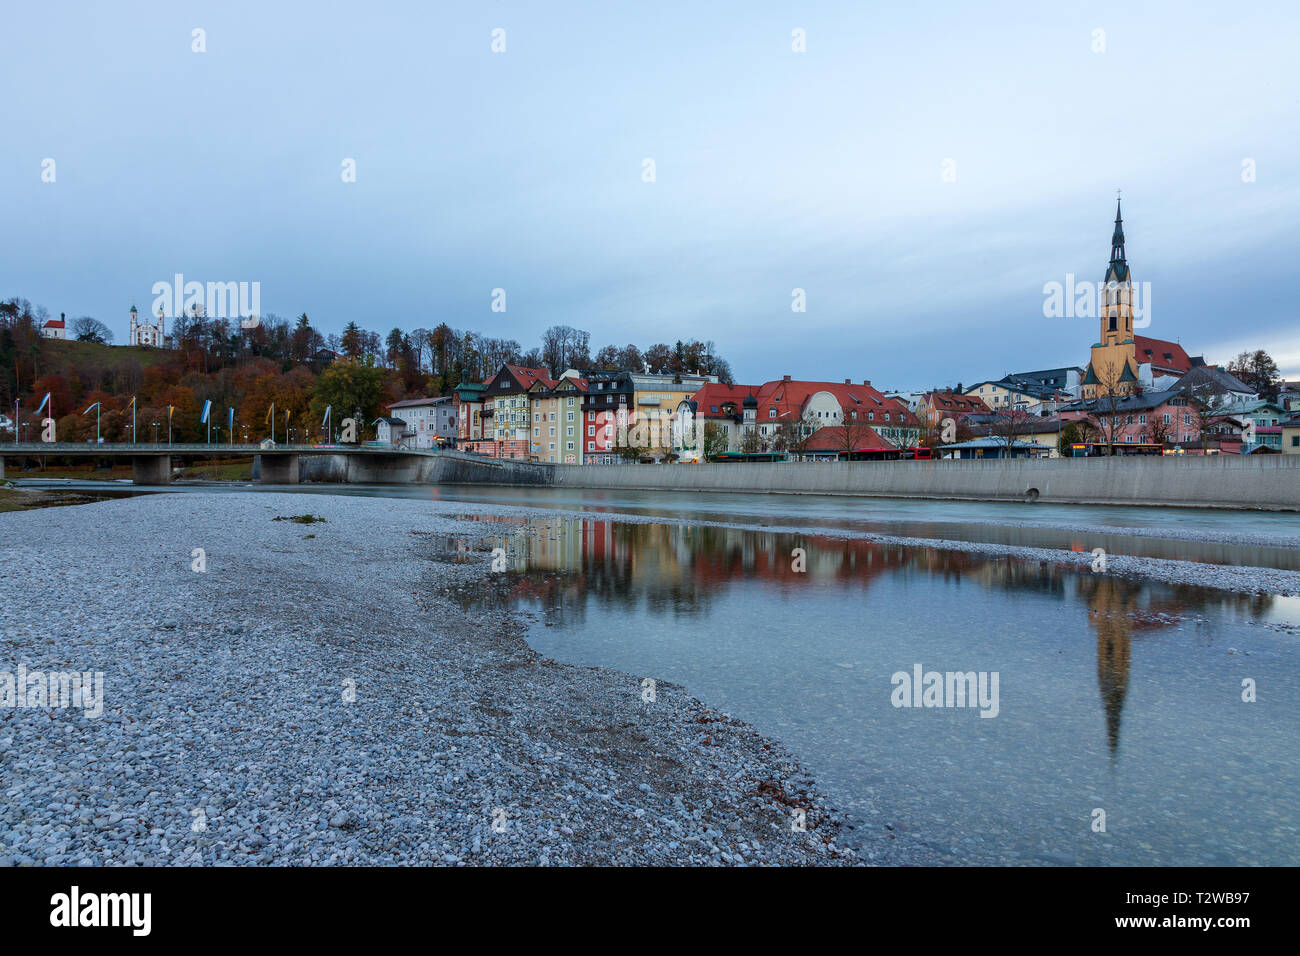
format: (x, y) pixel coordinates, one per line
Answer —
(569, 568)
(1116, 692)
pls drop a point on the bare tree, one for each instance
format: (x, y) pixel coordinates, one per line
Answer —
(87, 329)
(1159, 430)
(1106, 412)
(751, 442)
(853, 432)
(1012, 425)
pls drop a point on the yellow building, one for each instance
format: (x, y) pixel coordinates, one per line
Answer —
(1114, 366)
(1003, 395)
(1291, 435)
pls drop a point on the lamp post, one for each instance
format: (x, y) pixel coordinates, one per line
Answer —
(155, 434)
(96, 407)
(17, 418)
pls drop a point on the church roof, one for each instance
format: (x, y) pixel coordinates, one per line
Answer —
(1168, 356)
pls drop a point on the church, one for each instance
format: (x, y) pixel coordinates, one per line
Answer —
(146, 332)
(1122, 361)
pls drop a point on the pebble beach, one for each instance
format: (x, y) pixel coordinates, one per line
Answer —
(304, 694)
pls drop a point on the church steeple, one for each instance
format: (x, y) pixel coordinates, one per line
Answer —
(1114, 364)
(1118, 268)
(1117, 238)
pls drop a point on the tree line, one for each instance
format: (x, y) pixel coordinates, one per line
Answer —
(288, 364)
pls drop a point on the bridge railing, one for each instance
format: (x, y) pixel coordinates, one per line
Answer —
(123, 448)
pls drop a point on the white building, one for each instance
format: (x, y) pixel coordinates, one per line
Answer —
(55, 328)
(429, 422)
(146, 333)
(389, 430)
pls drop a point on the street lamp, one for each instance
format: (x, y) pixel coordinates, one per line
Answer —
(155, 433)
(96, 407)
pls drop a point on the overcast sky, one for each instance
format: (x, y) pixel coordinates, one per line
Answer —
(774, 170)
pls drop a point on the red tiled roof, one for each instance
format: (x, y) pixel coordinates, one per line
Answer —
(956, 402)
(1161, 354)
(715, 395)
(525, 376)
(54, 323)
(530, 375)
(831, 438)
(790, 398)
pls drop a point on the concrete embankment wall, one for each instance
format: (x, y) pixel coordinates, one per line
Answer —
(450, 468)
(1271, 482)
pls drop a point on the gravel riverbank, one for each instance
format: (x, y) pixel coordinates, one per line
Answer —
(312, 696)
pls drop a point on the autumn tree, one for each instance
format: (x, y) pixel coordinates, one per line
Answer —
(1258, 370)
(353, 341)
(715, 441)
(350, 387)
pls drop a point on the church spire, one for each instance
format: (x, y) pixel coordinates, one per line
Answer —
(1117, 237)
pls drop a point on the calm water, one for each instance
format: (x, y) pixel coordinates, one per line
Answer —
(1112, 695)
(1120, 530)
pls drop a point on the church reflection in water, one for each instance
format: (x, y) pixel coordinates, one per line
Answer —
(563, 566)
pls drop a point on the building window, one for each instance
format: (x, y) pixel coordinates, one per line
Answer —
(591, 431)
(771, 412)
(591, 446)
(1168, 419)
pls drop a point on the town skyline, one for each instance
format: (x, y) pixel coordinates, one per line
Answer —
(908, 209)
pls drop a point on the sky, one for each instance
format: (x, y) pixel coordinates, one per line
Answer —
(920, 171)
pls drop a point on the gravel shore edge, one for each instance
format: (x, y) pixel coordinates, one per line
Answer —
(309, 696)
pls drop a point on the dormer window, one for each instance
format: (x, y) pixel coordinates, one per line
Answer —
(771, 412)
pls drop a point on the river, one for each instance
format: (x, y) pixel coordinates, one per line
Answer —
(1135, 722)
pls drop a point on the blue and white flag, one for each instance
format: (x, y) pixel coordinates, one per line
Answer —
(207, 407)
(325, 420)
(44, 401)
(230, 420)
(92, 407)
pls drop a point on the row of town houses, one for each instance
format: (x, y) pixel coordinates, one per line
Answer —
(596, 417)
(1137, 394)
(588, 416)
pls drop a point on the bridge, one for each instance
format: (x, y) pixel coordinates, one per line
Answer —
(151, 463)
